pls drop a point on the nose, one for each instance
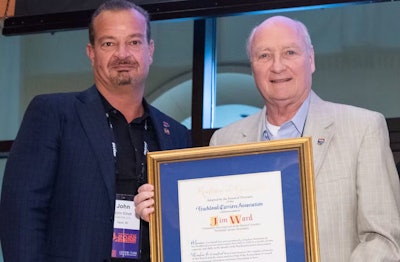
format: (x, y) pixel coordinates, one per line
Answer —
(122, 51)
(278, 64)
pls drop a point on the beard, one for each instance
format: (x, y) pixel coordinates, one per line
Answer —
(124, 77)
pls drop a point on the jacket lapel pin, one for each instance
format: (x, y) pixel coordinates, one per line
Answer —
(320, 141)
(166, 128)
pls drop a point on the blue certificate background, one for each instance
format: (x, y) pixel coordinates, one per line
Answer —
(286, 161)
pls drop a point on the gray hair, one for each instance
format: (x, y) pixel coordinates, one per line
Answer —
(300, 26)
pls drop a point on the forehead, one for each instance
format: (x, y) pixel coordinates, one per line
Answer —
(114, 22)
(278, 34)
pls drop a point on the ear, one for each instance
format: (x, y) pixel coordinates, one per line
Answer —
(90, 52)
(312, 61)
(151, 50)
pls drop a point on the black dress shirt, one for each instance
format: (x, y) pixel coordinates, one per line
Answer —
(132, 140)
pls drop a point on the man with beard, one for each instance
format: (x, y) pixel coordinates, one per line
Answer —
(79, 157)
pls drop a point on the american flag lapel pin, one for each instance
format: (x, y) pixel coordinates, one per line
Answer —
(320, 141)
(166, 128)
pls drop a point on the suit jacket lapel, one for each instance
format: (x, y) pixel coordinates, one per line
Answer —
(252, 130)
(321, 128)
(162, 128)
(92, 116)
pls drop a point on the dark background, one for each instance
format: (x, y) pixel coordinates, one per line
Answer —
(39, 7)
(32, 16)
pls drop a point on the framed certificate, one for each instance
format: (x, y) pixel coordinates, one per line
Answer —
(248, 202)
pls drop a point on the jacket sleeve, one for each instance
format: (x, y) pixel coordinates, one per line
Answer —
(378, 194)
(27, 183)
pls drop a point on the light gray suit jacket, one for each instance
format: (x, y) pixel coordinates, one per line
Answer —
(357, 185)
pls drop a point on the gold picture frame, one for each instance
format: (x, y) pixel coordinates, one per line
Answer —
(195, 188)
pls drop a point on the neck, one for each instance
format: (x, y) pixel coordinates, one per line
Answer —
(131, 109)
(281, 111)
(128, 103)
(278, 115)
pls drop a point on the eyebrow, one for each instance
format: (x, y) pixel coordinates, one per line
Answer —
(136, 35)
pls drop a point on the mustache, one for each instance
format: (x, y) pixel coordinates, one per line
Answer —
(125, 61)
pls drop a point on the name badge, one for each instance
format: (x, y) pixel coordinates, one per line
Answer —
(126, 236)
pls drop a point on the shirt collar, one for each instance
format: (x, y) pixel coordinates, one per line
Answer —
(298, 120)
(109, 108)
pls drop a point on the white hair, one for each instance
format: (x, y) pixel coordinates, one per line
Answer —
(300, 26)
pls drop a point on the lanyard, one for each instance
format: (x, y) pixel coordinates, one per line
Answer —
(140, 157)
(113, 143)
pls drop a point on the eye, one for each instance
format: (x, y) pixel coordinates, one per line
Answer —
(290, 52)
(107, 44)
(135, 42)
(262, 57)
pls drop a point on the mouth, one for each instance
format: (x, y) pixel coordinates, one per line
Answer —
(282, 80)
(123, 67)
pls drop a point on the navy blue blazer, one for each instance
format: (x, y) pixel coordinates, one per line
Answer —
(58, 194)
